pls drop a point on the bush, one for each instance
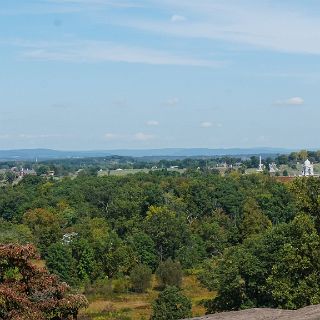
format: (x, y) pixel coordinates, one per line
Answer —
(171, 305)
(121, 285)
(140, 278)
(100, 288)
(169, 273)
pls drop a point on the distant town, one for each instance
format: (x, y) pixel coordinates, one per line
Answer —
(295, 164)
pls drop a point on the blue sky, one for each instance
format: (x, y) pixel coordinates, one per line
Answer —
(99, 74)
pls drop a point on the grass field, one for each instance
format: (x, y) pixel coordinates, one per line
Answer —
(133, 171)
(135, 306)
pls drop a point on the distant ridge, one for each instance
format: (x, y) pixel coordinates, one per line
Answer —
(48, 154)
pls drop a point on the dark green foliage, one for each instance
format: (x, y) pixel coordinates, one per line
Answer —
(144, 249)
(169, 273)
(217, 232)
(140, 278)
(294, 281)
(191, 254)
(84, 255)
(278, 269)
(171, 305)
(59, 260)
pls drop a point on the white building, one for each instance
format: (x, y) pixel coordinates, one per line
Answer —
(307, 169)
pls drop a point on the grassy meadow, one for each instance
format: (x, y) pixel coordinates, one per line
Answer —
(134, 306)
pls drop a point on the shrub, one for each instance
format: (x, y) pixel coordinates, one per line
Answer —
(140, 278)
(121, 285)
(171, 305)
(169, 273)
(100, 288)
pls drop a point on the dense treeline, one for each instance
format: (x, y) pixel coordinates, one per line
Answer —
(255, 239)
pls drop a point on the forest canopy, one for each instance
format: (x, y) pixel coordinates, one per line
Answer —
(253, 240)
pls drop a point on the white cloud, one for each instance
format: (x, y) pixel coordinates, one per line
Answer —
(152, 123)
(172, 102)
(241, 22)
(38, 136)
(140, 136)
(206, 124)
(178, 18)
(295, 101)
(81, 51)
(117, 3)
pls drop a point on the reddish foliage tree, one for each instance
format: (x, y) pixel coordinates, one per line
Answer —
(29, 292)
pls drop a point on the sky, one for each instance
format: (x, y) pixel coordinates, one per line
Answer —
(110, 74)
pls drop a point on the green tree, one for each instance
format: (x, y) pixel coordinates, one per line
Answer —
(294, 280)
(254, 221)
(277, 269)
(45, 226)
(140, 278)
(59, 260)
(169, 273)
(307, 197)
(168, 230)
(217, 231)
(171, 305)
(144, 249)
(84, 255)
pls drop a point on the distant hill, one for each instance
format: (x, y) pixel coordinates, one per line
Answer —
(48, 154)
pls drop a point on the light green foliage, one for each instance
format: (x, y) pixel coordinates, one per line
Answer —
(168, 230)
(45, 226)
(307, 197)
(15, 233)
(254, 222)
(119, 260)
(121, 285)
(171, 305)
